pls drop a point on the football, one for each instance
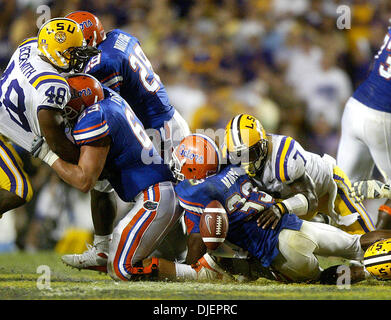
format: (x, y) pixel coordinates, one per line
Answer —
(377, 259)
(214, 225)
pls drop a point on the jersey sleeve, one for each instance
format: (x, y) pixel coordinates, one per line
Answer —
(106, 69)
(91, 126)
(52, 89)
(290, 160)
(194, 196)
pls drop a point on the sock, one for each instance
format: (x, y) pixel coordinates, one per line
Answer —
(102, 242)
(185, 272)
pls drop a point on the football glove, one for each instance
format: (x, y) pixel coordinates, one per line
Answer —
(41, 150)
(370, 189)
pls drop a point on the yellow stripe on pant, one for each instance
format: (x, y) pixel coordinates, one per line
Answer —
(345, 205)
(12, 176)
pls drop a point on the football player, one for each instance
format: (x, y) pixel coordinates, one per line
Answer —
(307, 182)
(366, 128)
(122, 66)
(288, 249)
(32, 96)
(113, 143)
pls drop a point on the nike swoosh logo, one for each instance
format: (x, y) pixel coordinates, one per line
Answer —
(207, 218)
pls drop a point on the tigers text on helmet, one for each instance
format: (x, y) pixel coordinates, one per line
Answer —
(61, 41)
(246, 143)
(90, 25)
(85, 91)
(196, 157)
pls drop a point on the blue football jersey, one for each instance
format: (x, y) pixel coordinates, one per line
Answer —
(133, 163)
(375, 91)
(123, 67)
(236, 192)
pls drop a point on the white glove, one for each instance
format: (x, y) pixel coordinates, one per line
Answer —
(44, 153)
(370, 189)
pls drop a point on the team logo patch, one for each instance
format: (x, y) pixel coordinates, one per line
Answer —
(150, 205)
(60, 36)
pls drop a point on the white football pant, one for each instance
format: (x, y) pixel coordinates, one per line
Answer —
(297, 259)
(365, 141)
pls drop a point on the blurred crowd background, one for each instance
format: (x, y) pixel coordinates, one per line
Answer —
(284, 61)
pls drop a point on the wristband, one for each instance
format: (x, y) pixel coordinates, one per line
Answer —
(298, 204)
(50, 158)
(281, 207)
(385, 208)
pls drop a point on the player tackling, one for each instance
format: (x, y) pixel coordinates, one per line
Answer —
(32, 95)
(112, 144)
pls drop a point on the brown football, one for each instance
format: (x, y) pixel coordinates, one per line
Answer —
(214, 225)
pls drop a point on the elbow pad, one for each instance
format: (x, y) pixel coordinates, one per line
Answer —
(297, 204)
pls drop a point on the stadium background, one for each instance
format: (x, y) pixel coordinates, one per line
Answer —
(284, 61)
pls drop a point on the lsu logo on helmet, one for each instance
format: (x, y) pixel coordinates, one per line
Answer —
(377, 259)
(57, 38)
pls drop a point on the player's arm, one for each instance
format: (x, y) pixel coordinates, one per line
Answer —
(55, 94)
(196, 248)
(85, 174)
(53, 129)
(301, 200)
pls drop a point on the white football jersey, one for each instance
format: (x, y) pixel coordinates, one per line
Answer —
(288, 161)
(27, 85)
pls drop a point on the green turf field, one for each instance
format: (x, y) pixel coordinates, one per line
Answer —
(22, 278)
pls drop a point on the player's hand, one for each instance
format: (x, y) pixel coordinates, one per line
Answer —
(269, 217)
(42, 151)
(370, 189)
(36, 146)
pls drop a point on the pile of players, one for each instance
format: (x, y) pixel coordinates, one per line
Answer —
(89, 104)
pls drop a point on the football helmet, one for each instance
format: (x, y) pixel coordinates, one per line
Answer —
(196, 157)
(61, 41)
(90, 25)
(245, 142)
(85, 91)
(377, 259)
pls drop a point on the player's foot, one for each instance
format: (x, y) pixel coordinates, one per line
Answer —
(91, 259)
(208, 269)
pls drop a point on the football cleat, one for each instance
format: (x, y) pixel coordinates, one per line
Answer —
(208, 269)
(91, 259)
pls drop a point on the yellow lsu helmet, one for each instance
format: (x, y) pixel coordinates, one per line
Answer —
(377, 259)
(61, 41)
(245, 142)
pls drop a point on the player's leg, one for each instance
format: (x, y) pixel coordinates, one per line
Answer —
(103, 211)
(296, 261)
(137, 234)
(346, 206)
(379, 144)
(384, 216)
(15, 186)
(173, 247)
(298, 250)
(353, 155)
